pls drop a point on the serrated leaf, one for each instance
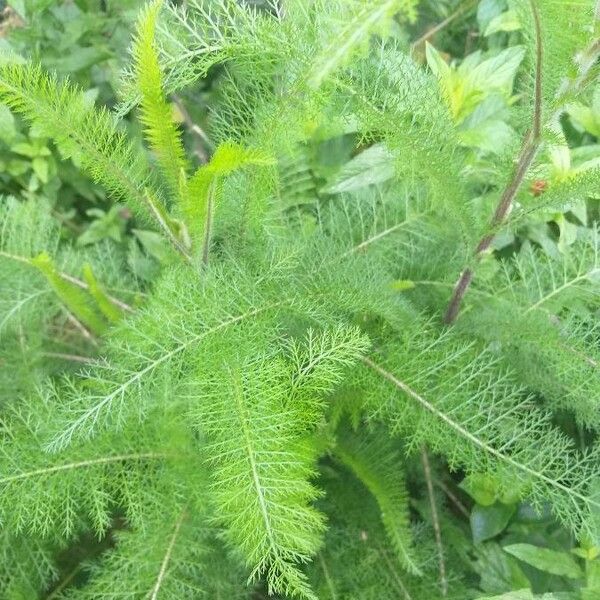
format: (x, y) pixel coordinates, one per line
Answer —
(439, 67)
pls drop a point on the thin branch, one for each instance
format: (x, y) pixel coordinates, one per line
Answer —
(65, 582)
(328, 580)
(93, 411)
(435, 520)
(70, 357)
(588, 359)
(364, 244)
(83, 330)
(21, 259)
(167, 558)
(563, 287)
(84, 286)
(453, 498)
(246, 438)
(435, 30)
(209, 222)
(77, 229)
(157, 212)
(80, 465)
(460, 289)
(197, 131)
(394, 571)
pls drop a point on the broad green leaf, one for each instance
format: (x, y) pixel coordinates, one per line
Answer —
(492, 136)
(585, 117)
(544, 559)
(583, 159)
(498, 571)
(373, 166)
(518, 595)
(79, 59)
(499, 71)
(592, 589)
(106, 225)
(507, 21)
(475, 79)
(40, 168)
(154, 243)
(489, 521)
(488, 10)
(25, 149)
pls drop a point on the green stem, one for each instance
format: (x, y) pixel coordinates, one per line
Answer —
(209, 221)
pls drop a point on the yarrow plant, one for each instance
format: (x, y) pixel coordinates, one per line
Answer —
(271, 416)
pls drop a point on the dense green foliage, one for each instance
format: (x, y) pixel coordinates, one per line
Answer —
(343, 345)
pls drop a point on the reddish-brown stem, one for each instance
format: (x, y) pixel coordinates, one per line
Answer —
(460, 290)
(531, 145)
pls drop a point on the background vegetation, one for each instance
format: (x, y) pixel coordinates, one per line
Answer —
(473, 536)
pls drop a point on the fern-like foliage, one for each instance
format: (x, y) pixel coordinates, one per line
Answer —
(27, 566)
(546, 325)
(156, 114)
(273, 492)
(35, 307)
(152, 351)
(375, 463)
(355, 34)
(203, 429)
(164, 561)
(90, 136)
(470, 415)
(89, 479)
(256, 415)
(27, 230)
(201, 195)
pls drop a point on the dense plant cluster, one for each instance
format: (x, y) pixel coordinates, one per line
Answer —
(343, 345)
